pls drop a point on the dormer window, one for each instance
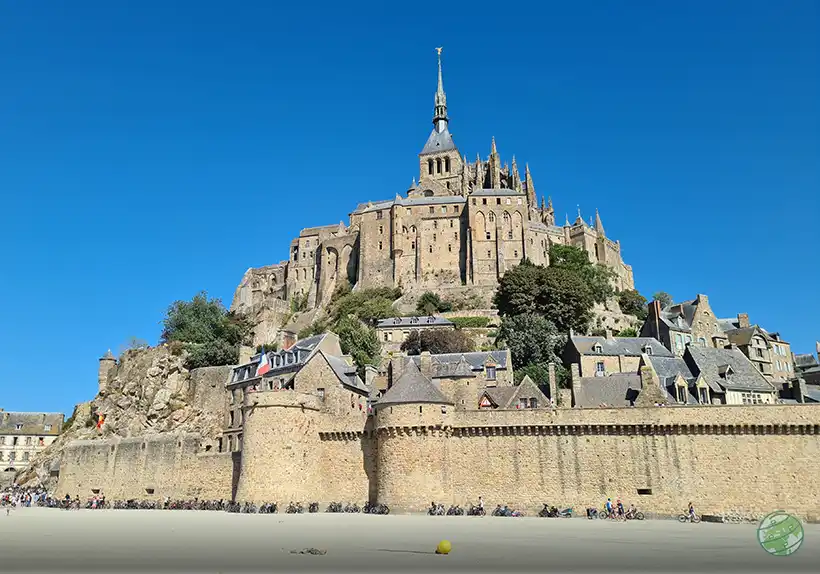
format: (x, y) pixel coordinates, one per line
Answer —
(681, 393)
(647, 349)
(491, 374)
(598, 348)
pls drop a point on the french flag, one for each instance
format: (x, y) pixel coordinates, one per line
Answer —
(264, 364)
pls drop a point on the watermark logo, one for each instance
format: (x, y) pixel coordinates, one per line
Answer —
(780, 534)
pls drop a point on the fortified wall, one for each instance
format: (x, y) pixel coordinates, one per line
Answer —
(751, 458)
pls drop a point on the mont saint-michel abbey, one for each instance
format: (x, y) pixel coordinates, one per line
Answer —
(459, 224)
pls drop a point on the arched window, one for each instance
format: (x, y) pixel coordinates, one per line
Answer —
(491, 216)
(438, 165)
(430, 166)
(447, 164)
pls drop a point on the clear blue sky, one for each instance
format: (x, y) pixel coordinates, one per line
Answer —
(149, 150)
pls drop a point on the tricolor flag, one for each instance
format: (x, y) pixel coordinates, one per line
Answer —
(264, 364)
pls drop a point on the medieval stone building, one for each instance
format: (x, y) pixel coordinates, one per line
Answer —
(462, 224)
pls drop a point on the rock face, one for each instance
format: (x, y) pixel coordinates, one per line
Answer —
(148, 392)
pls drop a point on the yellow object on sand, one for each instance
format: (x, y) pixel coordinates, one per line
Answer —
(443, 547)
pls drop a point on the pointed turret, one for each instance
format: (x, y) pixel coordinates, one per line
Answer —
(543, 204)
(493, 150)
(599, 227)
(566, 220)
(516, 177)
(533, 200)
(549, 203)
(440, 118)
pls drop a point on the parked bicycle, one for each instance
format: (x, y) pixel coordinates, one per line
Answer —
(436, 509)
(313, 507)
(455, 511)
(375, 509)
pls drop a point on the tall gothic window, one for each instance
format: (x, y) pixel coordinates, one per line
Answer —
(447, 164)
(438, 165)
(430, 166)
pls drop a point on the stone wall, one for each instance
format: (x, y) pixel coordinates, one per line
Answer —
(146, 468)
(757, 458)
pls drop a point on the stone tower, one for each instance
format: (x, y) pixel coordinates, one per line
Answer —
(107, 364)
(439, 160)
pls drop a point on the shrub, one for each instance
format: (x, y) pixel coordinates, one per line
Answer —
(470, 322)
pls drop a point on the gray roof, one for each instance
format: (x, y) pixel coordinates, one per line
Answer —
(30, 423)
(374, 205)
(504, 397)
(620, 346)
(813, 393)
(453, 370)
(728, 324)
(476, 360)
(670, 367)
(709, 363)
(500, 396)
(619, 390)
(745, 335)
(432, 200)
(442, 141)
(805, 361)
(346, 373)
(412, 387)
(287, 360)
(431, 321)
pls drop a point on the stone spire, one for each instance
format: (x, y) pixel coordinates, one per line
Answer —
(440, 118)
(516, 177)
(495, 167)
(599, 227)
(566, 220)
(543, 204)
(533, 200)
(479, 172)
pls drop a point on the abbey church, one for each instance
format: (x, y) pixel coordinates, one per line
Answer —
(460, 225)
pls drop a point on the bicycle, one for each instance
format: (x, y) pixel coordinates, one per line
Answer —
(694, 518)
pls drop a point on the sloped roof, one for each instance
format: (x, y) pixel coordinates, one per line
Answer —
(346, 373)
(709, 362)
(500, 396)
(744, 336)
(412, 387)
(476, 360)
(453, 370)
(617, 346)
(619, 390)
(30, 423)
(438, 141)
(494, 192)
(805, 361)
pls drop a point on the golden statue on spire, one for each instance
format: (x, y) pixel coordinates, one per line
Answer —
(438, 50)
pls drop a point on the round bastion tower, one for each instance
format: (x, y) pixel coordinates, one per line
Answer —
(412, 429)
(107, 364)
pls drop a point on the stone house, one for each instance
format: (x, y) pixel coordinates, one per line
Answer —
(807, 367)
(768, 351)
(23, 435)
(394, 331)
(525, 395)
(605, 356)
(682, 323)
(732, 378)
(314, 365)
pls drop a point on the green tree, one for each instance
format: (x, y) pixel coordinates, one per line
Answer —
(633, 303)
(597, 277)
(558, 293)
(628, 332)
(438, 341)
(210, 333)
(360, 341)
(664, 298)
(531, 339)
(430, 303)
(369, 305)
(539, 373)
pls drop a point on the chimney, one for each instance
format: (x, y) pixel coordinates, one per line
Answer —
(288, 340)
(702, 299)
(553, 383)
(426, 365)
(575, 374)
(742, 320)
(608, 333)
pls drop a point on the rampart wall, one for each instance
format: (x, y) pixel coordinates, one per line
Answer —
(169, 465)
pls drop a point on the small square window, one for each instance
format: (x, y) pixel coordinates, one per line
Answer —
(432, 209)
(498, 201)
(484, 201)
(47, 428)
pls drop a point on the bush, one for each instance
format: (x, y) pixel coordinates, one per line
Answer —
(268, 346)
(176, 348)
(470, 322)
(438, 341)
(628, 332)
(430, 303)
(633, 303)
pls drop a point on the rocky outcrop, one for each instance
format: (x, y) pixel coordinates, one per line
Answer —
(148, 392)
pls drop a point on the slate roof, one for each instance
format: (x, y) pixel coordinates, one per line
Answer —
(432, 200)
(619, 390)
(805, 361)
(31, 423)
(627, 346)
(412, 387)
(813, 393)
(288, 360)
(476, 360)
(500, 396)
(454, 370)
(744, 336)
(708, 363)
(442, 141)
(505, 397)
(346, 373)
(374, 205)
(431, 321)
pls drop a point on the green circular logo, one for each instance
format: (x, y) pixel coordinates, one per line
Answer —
(780, 534)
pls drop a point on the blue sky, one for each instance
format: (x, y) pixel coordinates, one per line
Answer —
(149, 150)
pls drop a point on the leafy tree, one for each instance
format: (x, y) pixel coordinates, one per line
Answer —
(598, 277)
(211, 334)
(430, 303)
(531, 339)
(360, 341)
(558, 293)
(268, 346)
(664, 298)
(633, 303)
(369, 305)
(628, 332)
(437, 341)
(539, 373)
